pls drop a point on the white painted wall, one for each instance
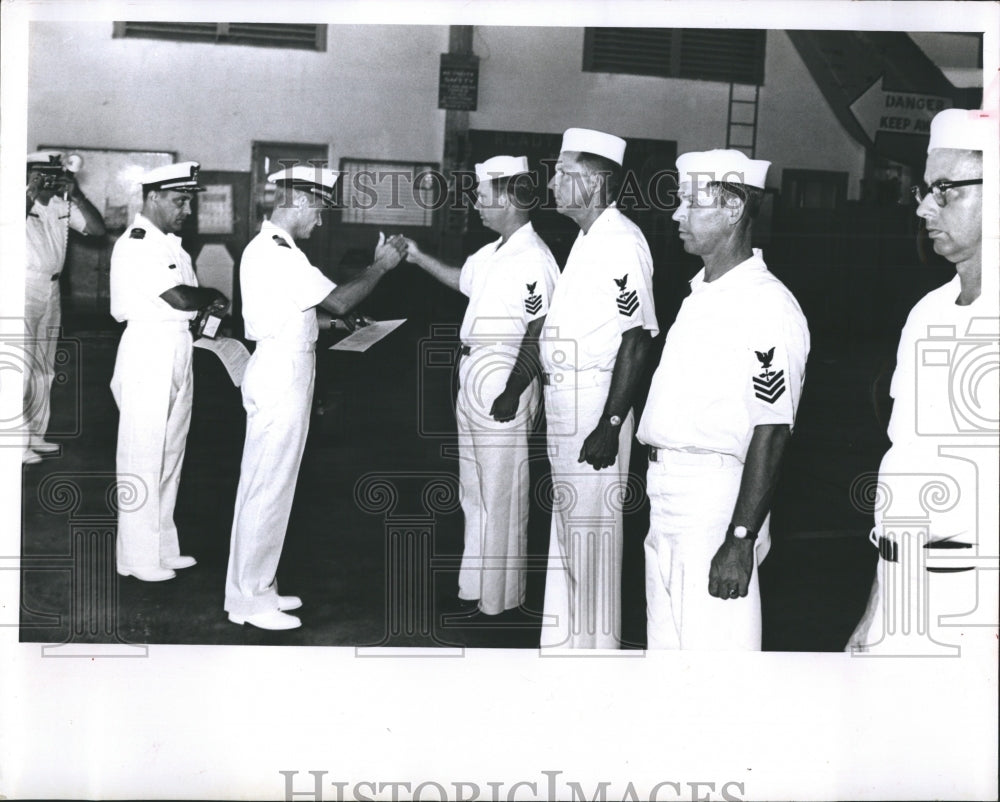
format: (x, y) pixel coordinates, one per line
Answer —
(208, 102)
(373, 94)
(531, 80)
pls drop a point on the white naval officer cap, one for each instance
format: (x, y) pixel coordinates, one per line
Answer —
(963, 129)
(315, 180)
(733, 166)
(501, 167)
(586, 140)
(180, 177)
(46, 160)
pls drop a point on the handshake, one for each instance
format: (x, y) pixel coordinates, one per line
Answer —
(390, 252)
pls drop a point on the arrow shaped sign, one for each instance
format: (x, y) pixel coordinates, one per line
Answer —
(896, 112)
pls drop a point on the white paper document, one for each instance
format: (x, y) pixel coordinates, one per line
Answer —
(232, 353)
(364, 338)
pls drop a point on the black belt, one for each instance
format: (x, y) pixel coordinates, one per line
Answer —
(889, 550)
(546, 378)
(465, 350)
(652, 453)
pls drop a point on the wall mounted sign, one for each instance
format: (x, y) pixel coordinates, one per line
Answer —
(458, 82)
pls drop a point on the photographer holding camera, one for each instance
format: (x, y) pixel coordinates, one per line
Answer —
(925, 483)
(53, 205)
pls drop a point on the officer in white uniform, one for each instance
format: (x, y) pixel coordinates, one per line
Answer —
(509, 283)
(719, 413)
(944, 422)
(54, 205)
(593, 347)
(281, 291)
(155, 291)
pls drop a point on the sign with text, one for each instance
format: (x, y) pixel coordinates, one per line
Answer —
(458, 82)
(879, 110)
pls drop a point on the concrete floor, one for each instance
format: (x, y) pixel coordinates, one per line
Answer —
(358, 568)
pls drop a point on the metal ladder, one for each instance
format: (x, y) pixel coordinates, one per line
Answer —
(741, 103)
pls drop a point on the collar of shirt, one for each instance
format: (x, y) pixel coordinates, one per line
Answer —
(151, 229)
(745, 269)
(267, 227)
(603, 220)
(522, 233)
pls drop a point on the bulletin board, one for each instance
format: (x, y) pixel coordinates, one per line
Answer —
(111, 179)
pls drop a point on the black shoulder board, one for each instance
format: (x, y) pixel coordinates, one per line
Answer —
(137, 233)
(280, 241)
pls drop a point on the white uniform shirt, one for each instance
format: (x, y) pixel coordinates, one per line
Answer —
(508, 286)
(605, 290)
(734, 359)
(942, 351)
(46, 230)
(145, 263)
(280, 289)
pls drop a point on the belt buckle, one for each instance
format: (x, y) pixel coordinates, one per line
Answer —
(653, 456)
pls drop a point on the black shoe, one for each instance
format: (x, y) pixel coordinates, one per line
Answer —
(460, 606)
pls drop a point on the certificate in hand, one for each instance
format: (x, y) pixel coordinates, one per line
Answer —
(364, 338)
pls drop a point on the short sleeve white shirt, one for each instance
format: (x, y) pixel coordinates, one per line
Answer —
(280, 288)
(942, 388)
(734, 359)
(605, 290)
(508, 286)
(46, 229)
(145, 263)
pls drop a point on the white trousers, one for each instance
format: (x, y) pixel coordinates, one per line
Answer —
(582, 605)
(277, 395)
(691, 499)
(152, 386)
(494, 473)
(42, 319)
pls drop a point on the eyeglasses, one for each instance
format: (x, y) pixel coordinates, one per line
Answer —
(938, 189)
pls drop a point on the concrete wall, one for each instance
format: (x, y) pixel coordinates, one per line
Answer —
(373, 94)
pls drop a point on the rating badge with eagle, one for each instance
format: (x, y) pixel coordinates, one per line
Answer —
(628, 300)
(768, 385)
(533, 301)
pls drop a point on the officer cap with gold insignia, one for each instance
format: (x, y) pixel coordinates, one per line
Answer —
(180, 177)
(46, 160)
(315, 180)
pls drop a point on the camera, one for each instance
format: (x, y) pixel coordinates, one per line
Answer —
(956, 392)
(54, 181)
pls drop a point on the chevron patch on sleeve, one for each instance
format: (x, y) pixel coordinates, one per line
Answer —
(769, 386)
(628, 302)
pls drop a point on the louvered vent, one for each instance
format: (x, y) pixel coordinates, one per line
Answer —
(704, 54)
(301, 37)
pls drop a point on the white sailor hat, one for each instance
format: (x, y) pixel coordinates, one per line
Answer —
(586, 140)
(706, 166)
(963, 129)
(315, 180)
(46, 160)
(180, 177)
(501, 167)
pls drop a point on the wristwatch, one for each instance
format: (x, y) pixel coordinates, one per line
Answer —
(613, 420)
(740, 533)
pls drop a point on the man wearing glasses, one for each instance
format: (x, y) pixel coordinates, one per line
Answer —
(930, 481)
